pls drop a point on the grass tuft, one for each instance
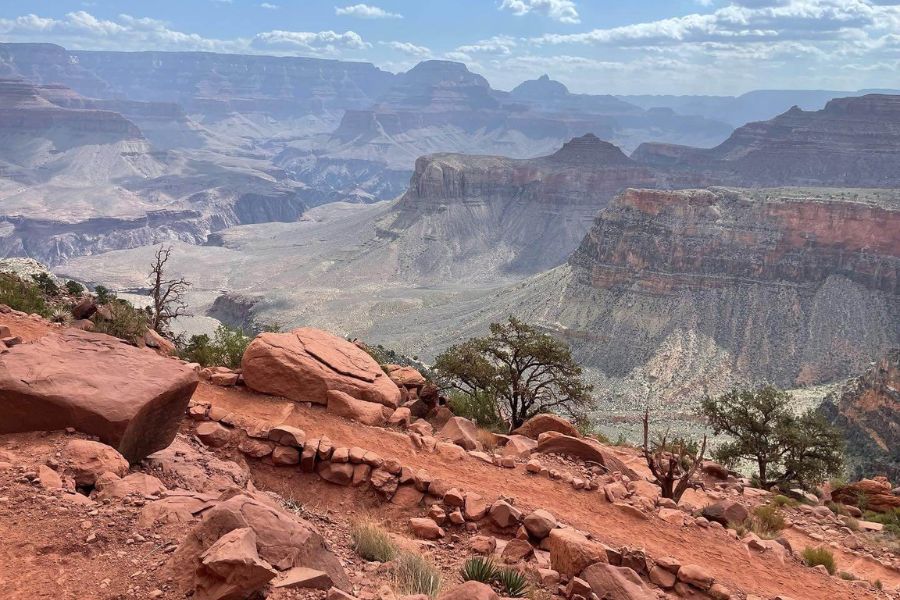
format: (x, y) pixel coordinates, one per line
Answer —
(413, 574)
(372, 542)
(819, 556)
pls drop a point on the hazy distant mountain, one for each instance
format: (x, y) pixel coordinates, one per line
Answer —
(760, 105)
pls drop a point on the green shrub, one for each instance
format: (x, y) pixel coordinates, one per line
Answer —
(890, 520)
(125, 321)
(847, 576)
(740, 528)
(413, 574)
(372, 542)
(481, 409)
(479, 568)
(514, 583)
(819, 556)
(104, 294)
(836, 508)
(766, 521)
(74, 288)
(22, 295)
(781, 501)
(225, 349)
(46, 284)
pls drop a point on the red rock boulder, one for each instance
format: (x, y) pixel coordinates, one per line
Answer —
(876, 492)
(131, 398)
(543, 423)
(304, 364)
(583, 448)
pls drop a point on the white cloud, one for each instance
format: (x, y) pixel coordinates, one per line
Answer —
(365, 11)
(327, 41)
(563, 11)
(499, 44)
(408, 48)
(269, 6)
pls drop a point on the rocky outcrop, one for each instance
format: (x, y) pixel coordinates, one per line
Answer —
(856, 141)
(306, 363)
(866, 410)
(545, 422)
(871, 494)
(132, 399)
(706, 289)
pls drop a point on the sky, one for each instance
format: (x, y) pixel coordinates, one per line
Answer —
(719, 47)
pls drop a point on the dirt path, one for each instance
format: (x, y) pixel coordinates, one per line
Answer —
(727, 559)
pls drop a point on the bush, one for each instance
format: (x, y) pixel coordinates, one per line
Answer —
(104, 294)
(225, 349)
(46, 284)
(514, 583)
(767, 521)
(819, 556)
(413, 574)
(890, 520)
(74, 288)
(60, 315)
(125, 322)
(781, 500)
(372, 542)
(480, 408)
(22, 295)
(838, 509)
(479, 568)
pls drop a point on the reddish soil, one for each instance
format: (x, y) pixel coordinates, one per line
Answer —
(727, 559)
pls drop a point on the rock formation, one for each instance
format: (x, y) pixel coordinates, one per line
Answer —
(866, 409)
(305, 364)
(132, 399)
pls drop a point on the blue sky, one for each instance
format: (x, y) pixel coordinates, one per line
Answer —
(594, 46)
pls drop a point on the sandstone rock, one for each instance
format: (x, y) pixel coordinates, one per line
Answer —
(304, 364)
(338, 473)
(256, 448)
(304, 578)
(282, 540)
(662, 577)
(425, 529)
(421, 427)
(344, 405)
(213, 434)
(285, 456)
(539, 523)
(87, 460)
(517, 446)
(878, 495)
(504, 514)
(135, 484)
(483, 544)
(578, 587)
(714, 469)
(407, 496)
(542, 423)
(696, 576)
(287, 435)
(616, 583)
(517, 551)
(49, 479)
(85, 308)
(470, 590)
(474, 508)
(176, 508)
(400, 417)
(726, 512)
(132, 399)
(583, 448)
(671, 515)
(154, 340)
(405, 375)
(82, 324)
(461, 432)
(615, 492)
(454, 497)
(231, 568)
(450, 451)
(571, 552)
(336, 594)
(224, 379)
(361, 473)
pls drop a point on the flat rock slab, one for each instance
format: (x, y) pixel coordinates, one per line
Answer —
(131, 398)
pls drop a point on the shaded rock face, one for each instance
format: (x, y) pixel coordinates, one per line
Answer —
(866, 409)
(306, 363)
(857, 140)
(132, 399)
(787, 286)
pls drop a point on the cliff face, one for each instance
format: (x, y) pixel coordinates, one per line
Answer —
(464, 216)
(867, 410)
(703, 289)
(850, 142)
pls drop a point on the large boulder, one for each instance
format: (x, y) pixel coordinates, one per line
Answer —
(345, 405)
(131, 398)
(471, 590)
(461, 432)
(231, 568)
(571, 552)
(545, 422)
(405, 376)
(726, 513)
(583, 448)
(876, 493)
(304, 364)
(616, 583)
(87, 461)
(282, 540)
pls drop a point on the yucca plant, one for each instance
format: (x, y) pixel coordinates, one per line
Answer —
(513, 582)
(479, 568)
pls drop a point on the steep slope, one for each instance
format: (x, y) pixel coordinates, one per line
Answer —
(866, 409)
(696, 290)
(856, 141)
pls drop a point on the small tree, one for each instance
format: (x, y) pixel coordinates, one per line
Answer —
(167, 294)
(786, 447)
(672, 463)
(526, 371)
